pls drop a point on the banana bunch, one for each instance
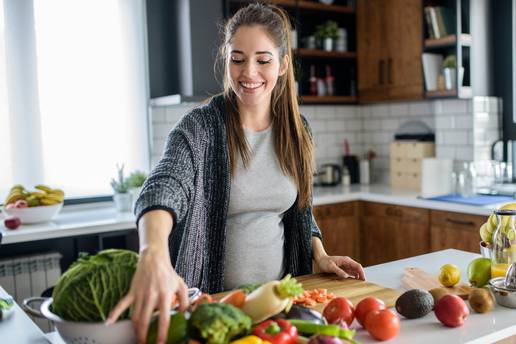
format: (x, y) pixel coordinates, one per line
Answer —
(43, 195)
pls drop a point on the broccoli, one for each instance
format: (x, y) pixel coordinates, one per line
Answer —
(218, 323)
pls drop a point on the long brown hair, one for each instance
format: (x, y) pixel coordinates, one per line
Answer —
(292, 141)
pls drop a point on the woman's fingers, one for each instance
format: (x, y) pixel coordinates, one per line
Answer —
(164, 316)
(182, 293)
(145, 316)
(120, 308)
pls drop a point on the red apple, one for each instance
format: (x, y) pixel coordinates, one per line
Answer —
(10, 206)
(12, 222)
(451, 310)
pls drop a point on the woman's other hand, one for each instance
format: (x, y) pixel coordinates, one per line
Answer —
(342, 266)
(155, 286)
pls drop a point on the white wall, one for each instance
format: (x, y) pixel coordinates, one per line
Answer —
(464, 129)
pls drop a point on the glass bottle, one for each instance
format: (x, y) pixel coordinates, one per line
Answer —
(504, 243)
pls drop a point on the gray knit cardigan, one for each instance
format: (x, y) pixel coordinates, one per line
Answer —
(192, 182)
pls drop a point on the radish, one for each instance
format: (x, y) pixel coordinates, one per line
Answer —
(271, 298)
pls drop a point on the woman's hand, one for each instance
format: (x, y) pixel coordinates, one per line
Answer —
(155, 285)
(343, 266)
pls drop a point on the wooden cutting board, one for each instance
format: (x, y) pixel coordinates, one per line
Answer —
(352, 289)
(415, 278)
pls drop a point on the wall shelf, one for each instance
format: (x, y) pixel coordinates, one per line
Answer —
(304, 52)
(448, 41)
(328, 100)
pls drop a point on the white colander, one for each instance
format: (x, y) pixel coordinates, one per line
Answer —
(73, 332)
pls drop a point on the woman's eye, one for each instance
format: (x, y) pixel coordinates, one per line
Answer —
(237, 61)
(264, 61)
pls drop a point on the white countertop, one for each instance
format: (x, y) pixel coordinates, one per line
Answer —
(99, 218)
(478, 328)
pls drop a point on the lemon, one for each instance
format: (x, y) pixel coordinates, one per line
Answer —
(449, 275)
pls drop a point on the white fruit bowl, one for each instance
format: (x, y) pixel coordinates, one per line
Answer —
(42, 213)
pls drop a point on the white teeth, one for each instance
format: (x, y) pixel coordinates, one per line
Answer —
(251, 85)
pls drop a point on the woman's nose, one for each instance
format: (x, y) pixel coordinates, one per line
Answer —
(249, 69)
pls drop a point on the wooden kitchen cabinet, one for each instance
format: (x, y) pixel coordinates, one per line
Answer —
(391, 232)
(389, 50)
(455, 230)
(339, 226)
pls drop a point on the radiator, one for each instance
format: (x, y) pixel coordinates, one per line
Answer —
(28, 276)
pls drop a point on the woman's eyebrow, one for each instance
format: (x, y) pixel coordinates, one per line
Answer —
(256, 53)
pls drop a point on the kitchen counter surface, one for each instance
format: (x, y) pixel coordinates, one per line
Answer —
(478, 328)
(100, 218)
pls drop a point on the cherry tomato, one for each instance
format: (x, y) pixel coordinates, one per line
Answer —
(339, 309)
(382, 324)
(365, 306)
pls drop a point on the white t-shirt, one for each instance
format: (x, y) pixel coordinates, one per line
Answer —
(259, 197)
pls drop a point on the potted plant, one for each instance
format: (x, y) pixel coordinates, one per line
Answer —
(326, 33)
(122, 196)
(136, 180)
(450, 72)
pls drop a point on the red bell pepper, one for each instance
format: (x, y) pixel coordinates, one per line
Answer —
(276, 331)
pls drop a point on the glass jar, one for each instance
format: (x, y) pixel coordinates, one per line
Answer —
(504, 243)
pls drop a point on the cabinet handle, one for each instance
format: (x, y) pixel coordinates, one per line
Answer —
(389, 70)
(390, 211)
(460, 222)
(380, 71)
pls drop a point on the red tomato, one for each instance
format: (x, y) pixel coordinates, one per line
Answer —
(365, 306)
(382, 324)
(339, 309)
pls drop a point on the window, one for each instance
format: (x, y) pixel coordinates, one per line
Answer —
(73, 102)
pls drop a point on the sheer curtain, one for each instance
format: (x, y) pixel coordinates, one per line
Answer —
(77, 92)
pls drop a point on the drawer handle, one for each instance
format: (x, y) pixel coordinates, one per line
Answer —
(460, 222)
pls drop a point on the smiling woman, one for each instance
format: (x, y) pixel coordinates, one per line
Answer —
(76, 93)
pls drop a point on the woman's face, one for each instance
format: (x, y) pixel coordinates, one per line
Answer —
(254, 65)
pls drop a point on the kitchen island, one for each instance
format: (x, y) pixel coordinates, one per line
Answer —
(478, 328)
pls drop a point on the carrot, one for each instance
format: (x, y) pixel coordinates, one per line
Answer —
(235, 298)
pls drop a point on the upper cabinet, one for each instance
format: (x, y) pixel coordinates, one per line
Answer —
(325, 69)
(389, 47)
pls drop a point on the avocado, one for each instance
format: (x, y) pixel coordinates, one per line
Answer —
(415, 303)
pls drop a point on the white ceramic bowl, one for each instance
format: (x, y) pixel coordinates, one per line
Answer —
(42, 213)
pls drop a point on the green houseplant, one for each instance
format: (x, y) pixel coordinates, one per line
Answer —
(136, 180)
(450, 72)
(122, 196)
(326, 33)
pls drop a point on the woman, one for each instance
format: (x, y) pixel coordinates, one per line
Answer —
(232, 191)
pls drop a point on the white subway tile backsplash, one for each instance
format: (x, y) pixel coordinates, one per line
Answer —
(325, 112)
(445, 122)
(460, 133)
(379, 110)
(456, 137)
(445, 152)
(158, 114)
(398, 109)
(390, 124)
(372, 124)
(455, 106)
(317, 126)
(161, 130)
(464, 153)
(421, 108)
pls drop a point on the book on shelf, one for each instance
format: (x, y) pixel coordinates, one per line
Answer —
(432, 65)
(440, 21)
